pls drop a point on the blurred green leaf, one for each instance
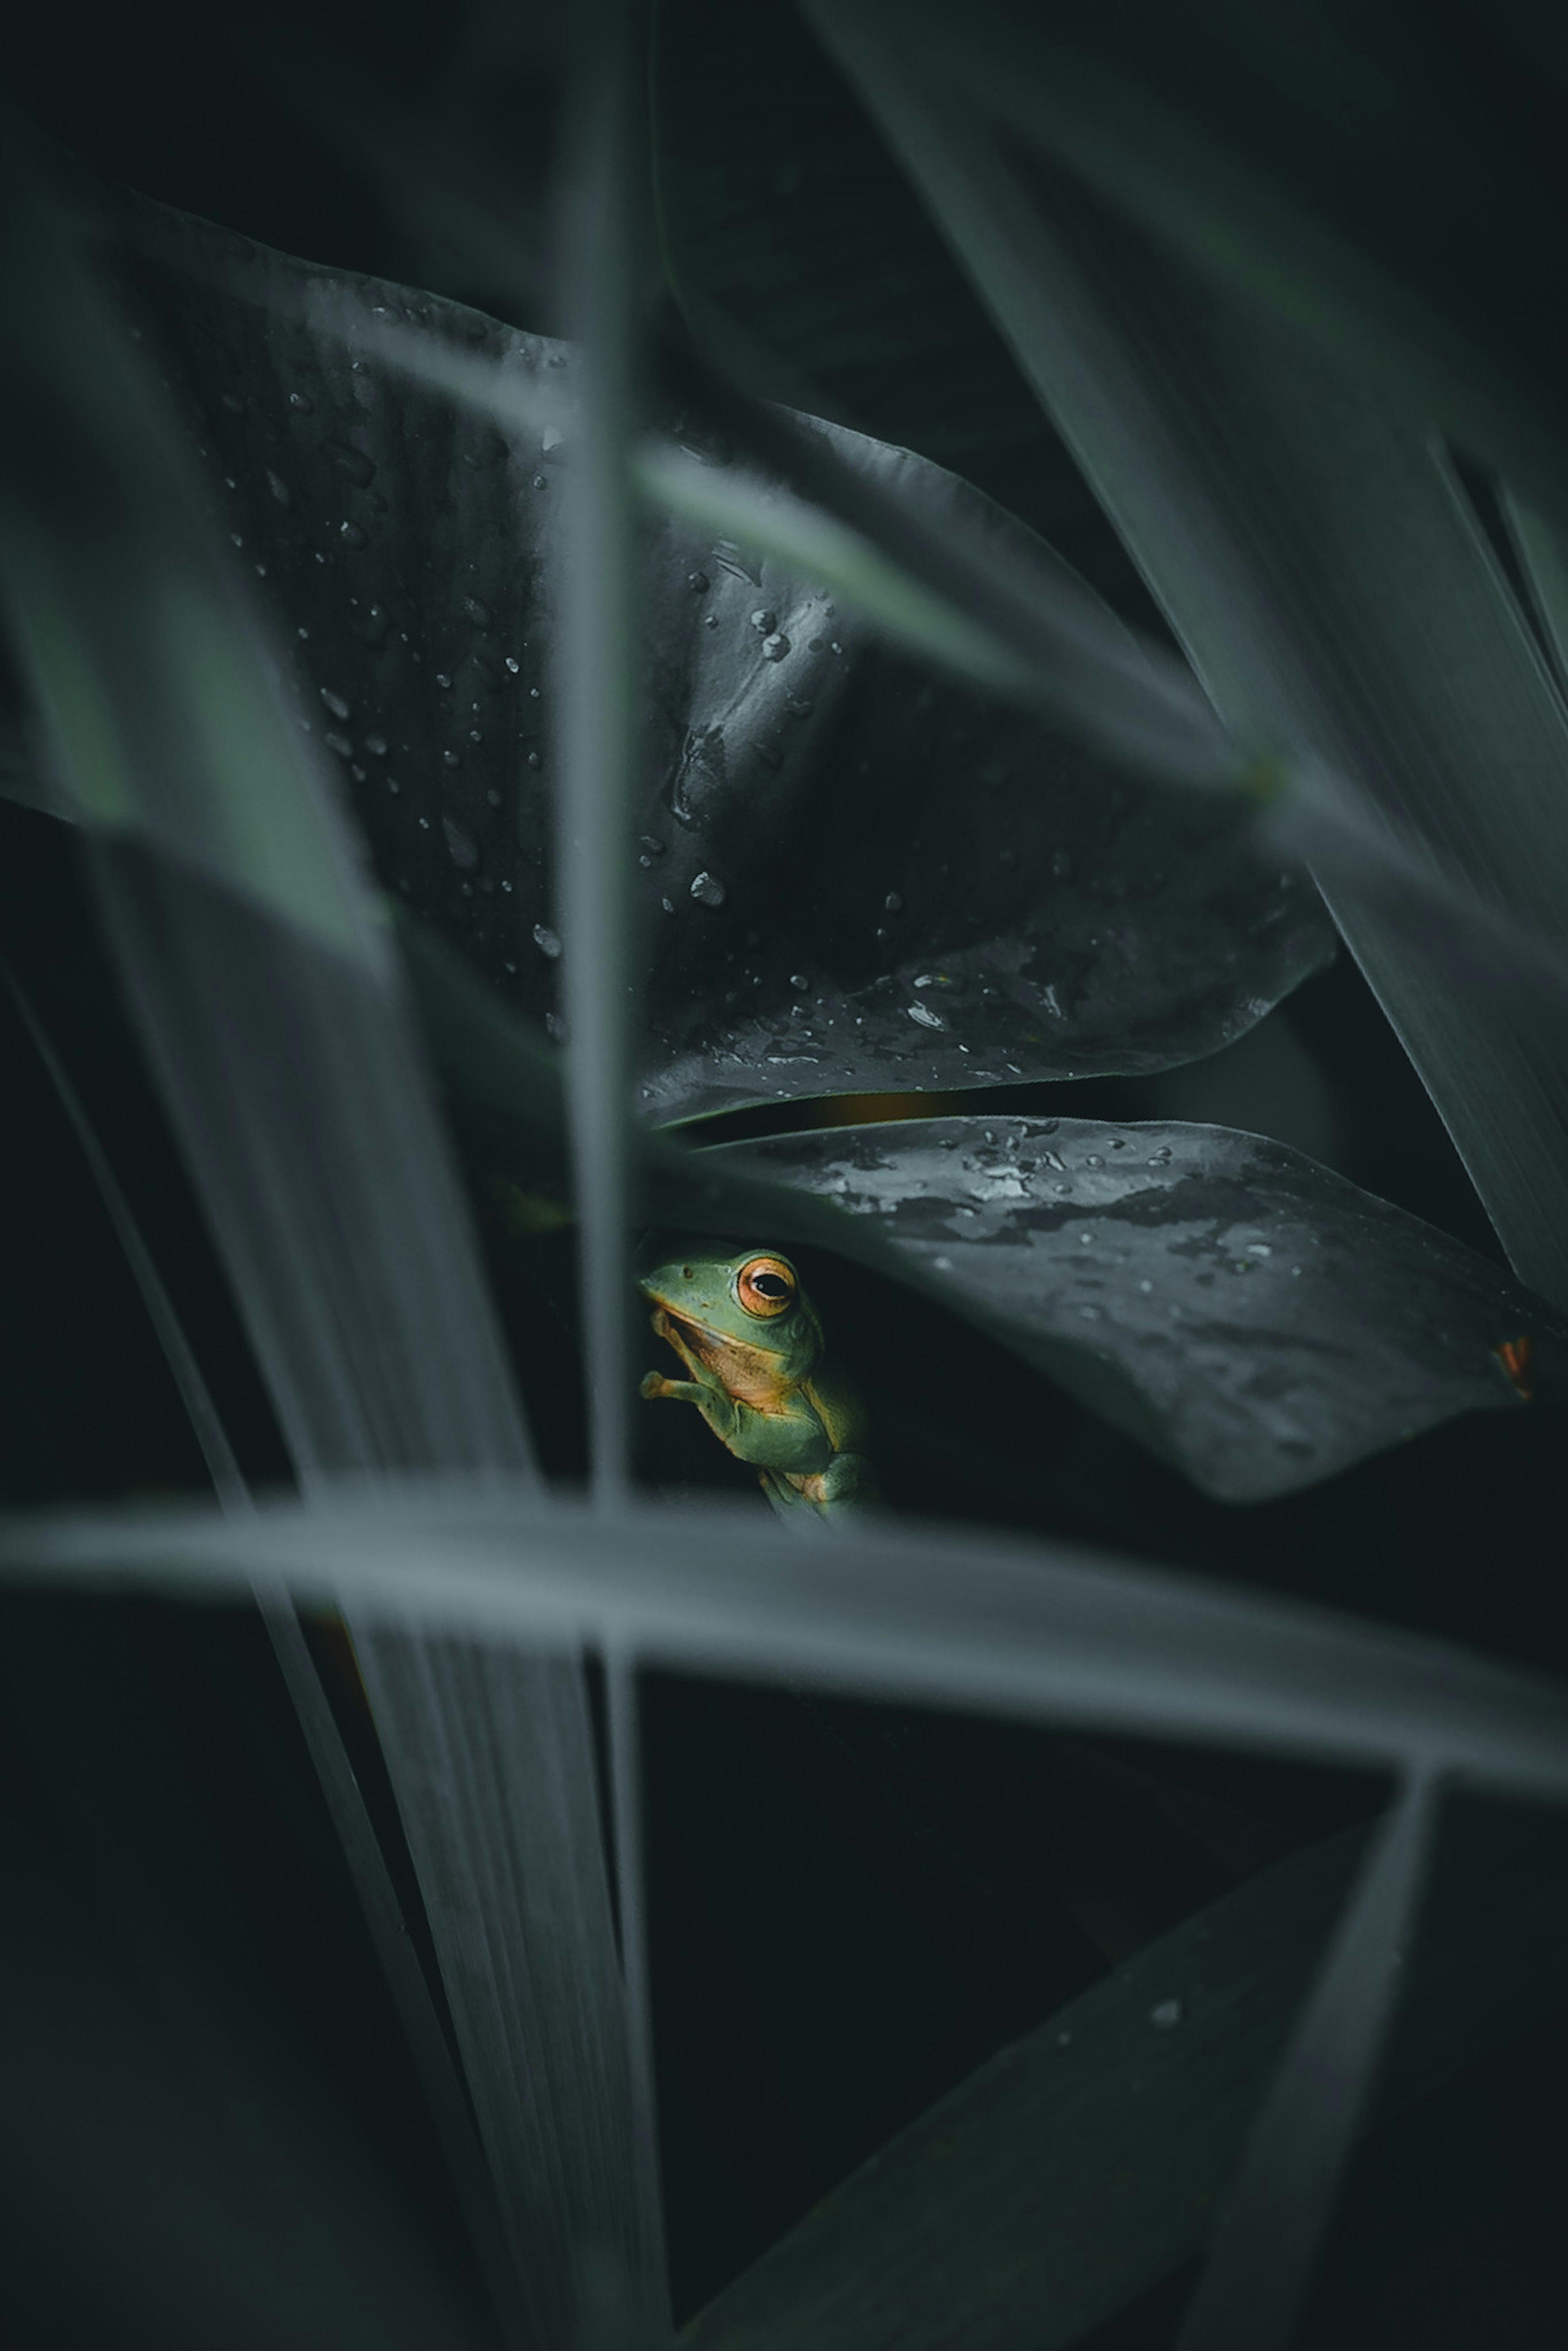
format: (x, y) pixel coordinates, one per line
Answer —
(258, 968)
(956, 1619)
(1317, 559)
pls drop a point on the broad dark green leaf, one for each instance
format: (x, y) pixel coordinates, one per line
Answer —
(1084, 2163)
(1258, 1319)
(406, 543)
(1274, 1323)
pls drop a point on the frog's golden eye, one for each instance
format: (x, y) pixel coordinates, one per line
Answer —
(765, 1285)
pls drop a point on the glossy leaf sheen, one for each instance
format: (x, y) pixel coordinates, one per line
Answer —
(1264, 1380)
(797, 777)
(1274, 1323)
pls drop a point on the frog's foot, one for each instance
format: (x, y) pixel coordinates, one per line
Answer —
(848, 1478)
(654, 1383)
(846, 1481)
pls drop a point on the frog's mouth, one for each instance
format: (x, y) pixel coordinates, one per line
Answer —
(680, 1329)
(720, 1352)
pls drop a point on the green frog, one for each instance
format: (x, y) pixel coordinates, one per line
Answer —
(762, 1376)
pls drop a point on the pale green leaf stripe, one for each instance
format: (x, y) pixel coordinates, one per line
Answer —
(770, 522)
(1316, 559)
(955, 1620)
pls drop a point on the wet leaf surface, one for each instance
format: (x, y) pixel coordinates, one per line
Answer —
(1270, 1322)
(1254, 1378)
(856, 873)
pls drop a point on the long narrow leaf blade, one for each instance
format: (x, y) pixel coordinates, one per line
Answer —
(954, 1619)
(1318, 563)
(1280, 2208)
(373, 1880)
(1082, 2164)
(276, 1028)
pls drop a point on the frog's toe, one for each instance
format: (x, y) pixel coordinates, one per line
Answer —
(653, 1384)
(848, 1478)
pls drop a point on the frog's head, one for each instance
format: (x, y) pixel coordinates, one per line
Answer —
(719, 1300)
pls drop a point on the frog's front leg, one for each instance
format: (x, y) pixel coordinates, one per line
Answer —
(792, 1439)
(714, 1403)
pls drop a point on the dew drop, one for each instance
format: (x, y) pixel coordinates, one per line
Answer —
(774, 648)
(698, 582)
(650, 843)
(534, 760)
(479, 614)
(1166, 2015)
(442, 680)
(513, 664)
(340, 743)
(764, 621)
(352, 534)
(451, 759)
(1093, 1159)
(894, 902)
(376, 745)
(459, 845)
(708, 890)
(1061, 864)
(335, 702)
(546, 940)
(924, 1014)
(279, 488)
(352, 464)
(297, 399)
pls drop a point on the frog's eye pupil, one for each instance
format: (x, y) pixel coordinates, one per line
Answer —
(765, 1286)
